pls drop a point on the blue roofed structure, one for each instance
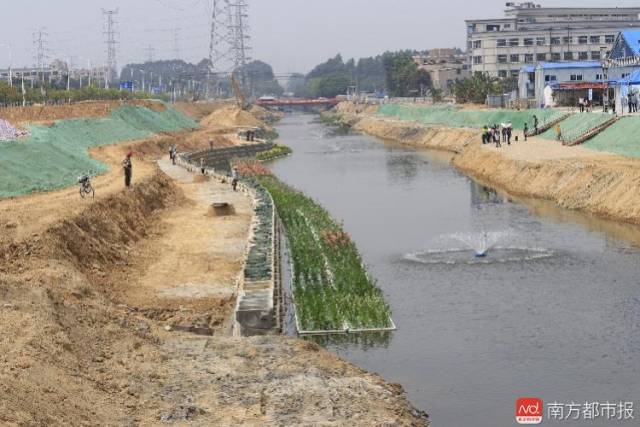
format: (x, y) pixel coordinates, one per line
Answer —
(627, 45)
(569, 65)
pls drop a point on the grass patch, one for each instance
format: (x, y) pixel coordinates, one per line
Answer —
(331, 288)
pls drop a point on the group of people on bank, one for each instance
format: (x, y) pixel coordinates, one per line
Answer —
(494, 134)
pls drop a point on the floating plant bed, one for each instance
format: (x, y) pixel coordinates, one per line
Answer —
(278, 151)
(332, 291)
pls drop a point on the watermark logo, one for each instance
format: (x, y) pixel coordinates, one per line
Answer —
(529, 410)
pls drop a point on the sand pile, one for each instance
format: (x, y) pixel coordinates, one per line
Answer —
(7, 131)
(231, 117)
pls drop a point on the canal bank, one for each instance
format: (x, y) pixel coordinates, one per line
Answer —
(551, 311)
(576, 178)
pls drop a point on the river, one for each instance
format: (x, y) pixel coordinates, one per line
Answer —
(552, 311)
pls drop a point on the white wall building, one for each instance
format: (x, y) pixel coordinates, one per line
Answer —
(530, 34)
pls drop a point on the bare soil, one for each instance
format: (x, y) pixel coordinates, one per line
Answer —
(93, 292)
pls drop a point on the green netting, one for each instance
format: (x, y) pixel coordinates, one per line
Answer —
(576, 126)
(456, 117)
(620, 138)
(54, 156)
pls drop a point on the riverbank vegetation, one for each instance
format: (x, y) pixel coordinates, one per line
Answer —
(276, 152)
(331, 287)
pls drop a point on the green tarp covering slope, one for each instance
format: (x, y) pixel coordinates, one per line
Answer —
(623, 137)
(455, 117)
(54, 156)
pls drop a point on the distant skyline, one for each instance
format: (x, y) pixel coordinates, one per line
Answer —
(291, 35)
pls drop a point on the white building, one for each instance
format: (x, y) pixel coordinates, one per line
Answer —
(530, 34)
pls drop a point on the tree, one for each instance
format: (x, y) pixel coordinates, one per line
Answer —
(476, 88)
(403, 76)
(261, 80)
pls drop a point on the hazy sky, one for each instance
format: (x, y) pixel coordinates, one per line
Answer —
(292, 35)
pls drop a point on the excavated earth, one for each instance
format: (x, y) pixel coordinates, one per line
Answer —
(96, 296)
(576, 178)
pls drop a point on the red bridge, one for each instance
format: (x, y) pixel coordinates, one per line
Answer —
(296, 102)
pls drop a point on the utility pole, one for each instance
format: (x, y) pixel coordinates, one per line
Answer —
(110, 34)
(239, 21)
(150, 51)
(176, 43)
(40, 48)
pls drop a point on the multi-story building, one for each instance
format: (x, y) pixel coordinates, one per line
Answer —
(444, 66)
(529, 34)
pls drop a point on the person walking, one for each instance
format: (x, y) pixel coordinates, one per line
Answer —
(525, 131)
(634, 98)
(234, 178)
(508, 128)
(535, 124)
(485, 134)
(127, 166)
(558, 132)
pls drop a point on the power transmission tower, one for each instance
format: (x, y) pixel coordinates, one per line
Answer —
(176, 43)
(110, 34)
(150, 51)
(40, 54)
(218, 39)
(239, 30)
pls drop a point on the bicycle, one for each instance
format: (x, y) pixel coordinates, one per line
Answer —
(85, 186)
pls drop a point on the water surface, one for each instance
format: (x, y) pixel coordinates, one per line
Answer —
(474, 336)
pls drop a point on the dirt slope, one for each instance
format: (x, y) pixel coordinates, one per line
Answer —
(87, 288)
(575, 178)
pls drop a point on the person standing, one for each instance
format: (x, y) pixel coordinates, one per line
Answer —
(508, 128)
(535, 124)
(127, 166)
(525, 131)
(485, 134)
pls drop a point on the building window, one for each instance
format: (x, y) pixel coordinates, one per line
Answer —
(555, 56)
(598, 76)
(541, 57)
(477, 44)
(582, 40)
(541, 41)
(501, 42)
(515, 73)
(576, 77)
(502, 59)
(567, 40)
(583, 56)
(568, 56)
(477, 59)
(502, 74)
(550, 78)
(527, 42)
(493, 27)
(610, 38)
(595, 55)
(514, 58)
(514, 42)
(555, 40)
(594, 39)
(528, 58)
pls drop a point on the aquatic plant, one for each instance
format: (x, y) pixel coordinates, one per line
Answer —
(332, 290)
(276, 152)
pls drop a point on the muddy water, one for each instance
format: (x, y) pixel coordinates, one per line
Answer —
(475, 334)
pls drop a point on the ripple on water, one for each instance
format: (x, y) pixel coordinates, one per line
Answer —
(465, 256)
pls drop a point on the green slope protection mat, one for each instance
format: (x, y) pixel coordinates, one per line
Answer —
(54, 156)
(455, 117)
(623, 137)
(576, 125)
